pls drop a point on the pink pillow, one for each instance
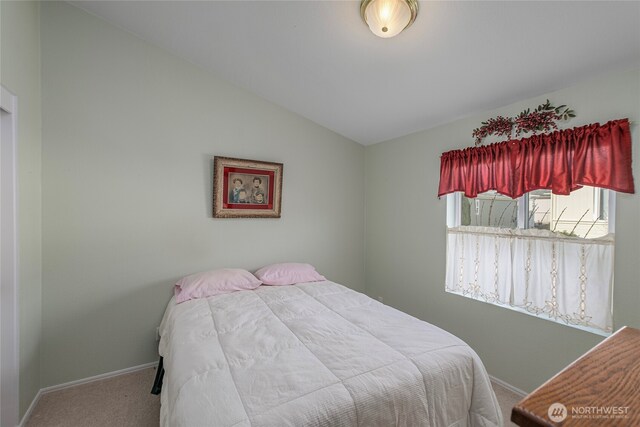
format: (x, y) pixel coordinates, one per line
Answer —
(288, 273)
(215, 282)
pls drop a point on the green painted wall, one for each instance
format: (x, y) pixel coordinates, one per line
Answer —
(129, 132)
(405, 239)
(20, 73)
(120, 180)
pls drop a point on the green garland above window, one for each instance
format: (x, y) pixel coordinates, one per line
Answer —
(542, 119)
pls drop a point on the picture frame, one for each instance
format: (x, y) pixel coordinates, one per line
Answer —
(245, 188)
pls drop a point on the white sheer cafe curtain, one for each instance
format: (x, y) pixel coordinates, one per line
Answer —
(566, 279)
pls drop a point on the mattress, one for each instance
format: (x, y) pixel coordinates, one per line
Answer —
(315, 354)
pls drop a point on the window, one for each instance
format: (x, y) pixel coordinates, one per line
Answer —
(542, 254)
(584, 213)
(489, 209)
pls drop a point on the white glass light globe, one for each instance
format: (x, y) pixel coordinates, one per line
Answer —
(387, 18)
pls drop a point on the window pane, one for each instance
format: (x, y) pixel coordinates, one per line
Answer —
(489, 209)
(540, 209)
(583, 213)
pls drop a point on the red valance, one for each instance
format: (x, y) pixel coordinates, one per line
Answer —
(562, 161)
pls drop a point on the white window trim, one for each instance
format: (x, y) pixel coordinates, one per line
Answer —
(612, 212)
(454, 200)
(523, 203)
(596, 204)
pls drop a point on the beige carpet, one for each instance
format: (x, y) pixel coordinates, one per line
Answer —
(125, 401)
(507, 400)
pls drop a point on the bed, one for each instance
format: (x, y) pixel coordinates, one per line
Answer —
(315, 354)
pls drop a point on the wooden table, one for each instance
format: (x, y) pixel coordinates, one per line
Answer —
(602, 388)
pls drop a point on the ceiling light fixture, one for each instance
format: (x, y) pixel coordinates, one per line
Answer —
(387, 18)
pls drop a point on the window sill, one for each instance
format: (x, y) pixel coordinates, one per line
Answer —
(537, 316)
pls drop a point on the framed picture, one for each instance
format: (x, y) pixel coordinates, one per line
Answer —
(246, 188)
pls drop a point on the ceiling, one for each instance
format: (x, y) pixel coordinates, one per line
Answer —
(318, 59)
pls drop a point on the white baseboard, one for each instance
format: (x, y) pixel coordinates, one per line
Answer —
(27, 414)
(53, 388)
(508, 386)
(104, 376)
(97, 377)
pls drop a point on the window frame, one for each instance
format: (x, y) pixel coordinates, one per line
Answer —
(454, 203)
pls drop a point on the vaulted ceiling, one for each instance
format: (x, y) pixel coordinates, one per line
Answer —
(318, 59)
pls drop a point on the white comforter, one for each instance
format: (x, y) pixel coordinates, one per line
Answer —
(315, 354)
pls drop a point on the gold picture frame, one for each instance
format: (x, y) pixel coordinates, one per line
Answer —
(245, 188)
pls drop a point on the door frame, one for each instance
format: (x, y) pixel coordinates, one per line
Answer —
(9, 343)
